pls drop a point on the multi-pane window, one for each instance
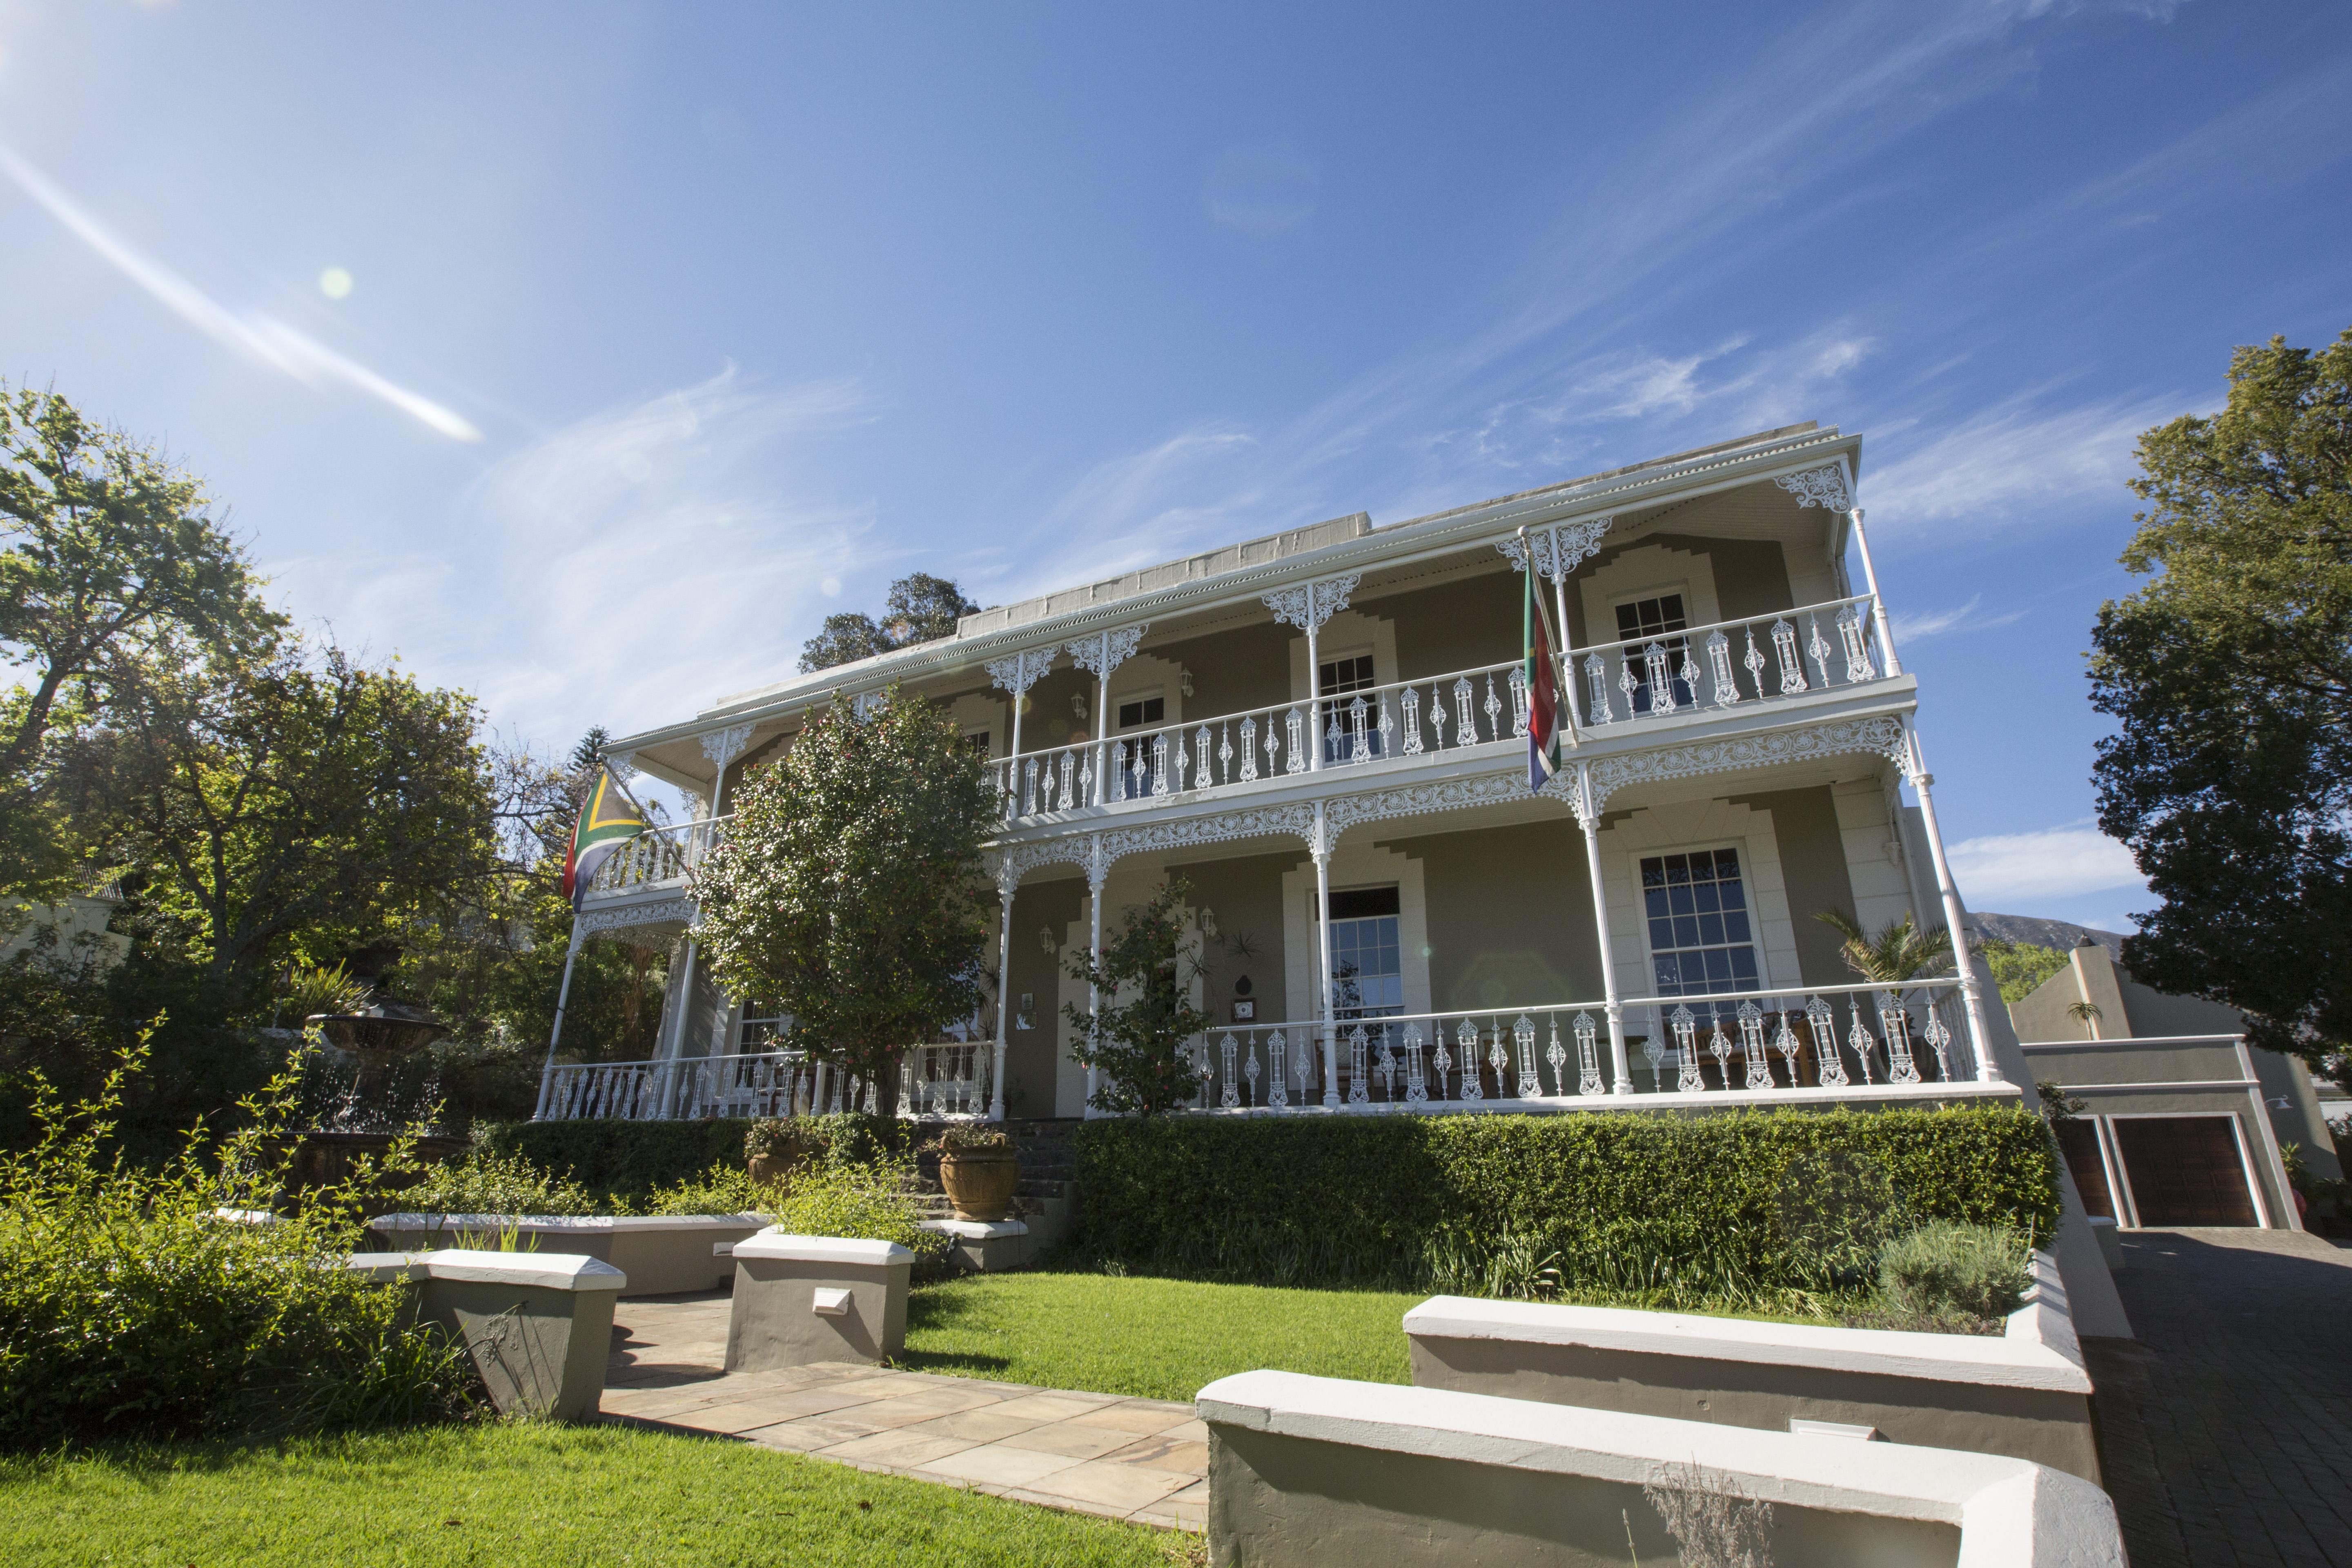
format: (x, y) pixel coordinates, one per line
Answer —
(1702, 937)
(1367, 968)
(763, 1027)
(1643, 622)
(1337, 678)
(1133, 758)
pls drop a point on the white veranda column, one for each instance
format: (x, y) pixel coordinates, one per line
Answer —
(1099, 655)
(1007, 876)
(1556, 552)
(1307, 607)
(1588, 812)
(1321, 848)
(1097, 873)
(1963, 961)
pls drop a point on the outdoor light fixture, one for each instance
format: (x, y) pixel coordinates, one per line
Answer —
(1184, 682)
(1209, 924)
(1078, 705)
(1046, 940)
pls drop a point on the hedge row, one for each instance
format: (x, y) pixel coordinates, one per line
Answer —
(620, 1158)
(1719, 1204)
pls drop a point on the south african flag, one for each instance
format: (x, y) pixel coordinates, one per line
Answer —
(1543, 693)
(608, 821)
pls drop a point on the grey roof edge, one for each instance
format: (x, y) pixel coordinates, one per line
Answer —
(1738, 460)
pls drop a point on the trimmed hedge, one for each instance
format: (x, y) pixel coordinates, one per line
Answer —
(1727, 1204)
(627, 1159)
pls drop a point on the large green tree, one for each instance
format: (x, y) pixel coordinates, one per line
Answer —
(296, 806)
(2229, 676)
(921, 608)
(110, 566)
(849, 890)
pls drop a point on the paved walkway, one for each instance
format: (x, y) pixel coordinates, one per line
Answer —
(2225, 1429)
(1140, 1459)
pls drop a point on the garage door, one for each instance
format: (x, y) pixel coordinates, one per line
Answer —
(2079, 1141)
(2184, 1170)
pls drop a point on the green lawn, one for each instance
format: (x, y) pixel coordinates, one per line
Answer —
(1159, 1338)
(519, 1496)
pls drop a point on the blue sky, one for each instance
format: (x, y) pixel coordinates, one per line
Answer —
(670, 330)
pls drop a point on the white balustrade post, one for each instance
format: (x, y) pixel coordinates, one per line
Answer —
(1588, 812)
(1097, 873)
(1006, 877)
(1322, 851)
(562, 996)
(1963, 961)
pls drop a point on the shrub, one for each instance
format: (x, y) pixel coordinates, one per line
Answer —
(723, 1189)
(625, 1163)
(1943, 1268)
(128, 1310)
(489, 1182)
(1722, 1204)
(869, 1201)
(971, 1138)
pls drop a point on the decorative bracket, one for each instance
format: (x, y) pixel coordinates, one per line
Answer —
(1879, 736)
(723, 747)
(1023, 671)
(1099, 655)
(624, 764)
(1824, 486)
(1309, 604)
(1558, 548)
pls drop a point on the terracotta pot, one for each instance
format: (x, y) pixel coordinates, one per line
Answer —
(980, 1185)
(776, 1166)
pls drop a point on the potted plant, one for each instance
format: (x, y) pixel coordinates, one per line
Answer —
(776, 1147)
(979, 1169)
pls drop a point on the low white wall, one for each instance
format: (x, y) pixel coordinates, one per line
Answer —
(662, 1255)
(1364, 1451)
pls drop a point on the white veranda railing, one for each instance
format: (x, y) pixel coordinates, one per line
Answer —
(1760, 659)
(1404, 719)
(659, 856)
(949, 1080)
(1764, 659)
(1825, 1037)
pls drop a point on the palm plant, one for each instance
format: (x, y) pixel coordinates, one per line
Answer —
(1895, 952)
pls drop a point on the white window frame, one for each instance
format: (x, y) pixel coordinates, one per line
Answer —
(1748, 884)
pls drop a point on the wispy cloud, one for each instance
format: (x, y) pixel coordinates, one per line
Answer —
(261, 338)
(2004, 870)
(1911, 629)
(2018, 461)
(644, 560)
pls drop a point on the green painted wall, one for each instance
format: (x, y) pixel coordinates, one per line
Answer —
(1812, 868)
(1510, 916)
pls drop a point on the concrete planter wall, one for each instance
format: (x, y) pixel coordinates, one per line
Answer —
(2024, 1395)
(803, 1299)
(538, 1326)
(663, 1255)
(1304, 1471)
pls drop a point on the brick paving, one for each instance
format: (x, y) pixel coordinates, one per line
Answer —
(1140, 1459)
(2225, 1429)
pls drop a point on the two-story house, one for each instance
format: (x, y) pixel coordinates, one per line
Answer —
(1323, 732)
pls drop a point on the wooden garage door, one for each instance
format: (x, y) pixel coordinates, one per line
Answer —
(2184, 1170)
(2079, 1142)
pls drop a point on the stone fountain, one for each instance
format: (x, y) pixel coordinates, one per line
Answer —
(378, 1036)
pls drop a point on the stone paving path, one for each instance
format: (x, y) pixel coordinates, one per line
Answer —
(2225, 1429)
(1140, 1459)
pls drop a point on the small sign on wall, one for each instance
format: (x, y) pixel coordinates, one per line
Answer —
(1025, 1015)
(1246, 1010)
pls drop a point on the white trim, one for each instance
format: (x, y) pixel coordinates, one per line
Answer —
(547, 1270)
(1647, 572)
(769, 1244)
(2237, 1133)
(1351, 634)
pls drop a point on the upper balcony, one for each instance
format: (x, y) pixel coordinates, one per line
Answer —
(1701, 596)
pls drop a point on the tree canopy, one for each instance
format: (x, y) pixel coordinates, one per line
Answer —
(920, 609)
(2229, 676)
(849, 893)
(1137, 1038)
(111, 569)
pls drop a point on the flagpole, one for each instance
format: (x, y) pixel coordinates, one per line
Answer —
(563, 996)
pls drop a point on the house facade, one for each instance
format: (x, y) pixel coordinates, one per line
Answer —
(1323, 732)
